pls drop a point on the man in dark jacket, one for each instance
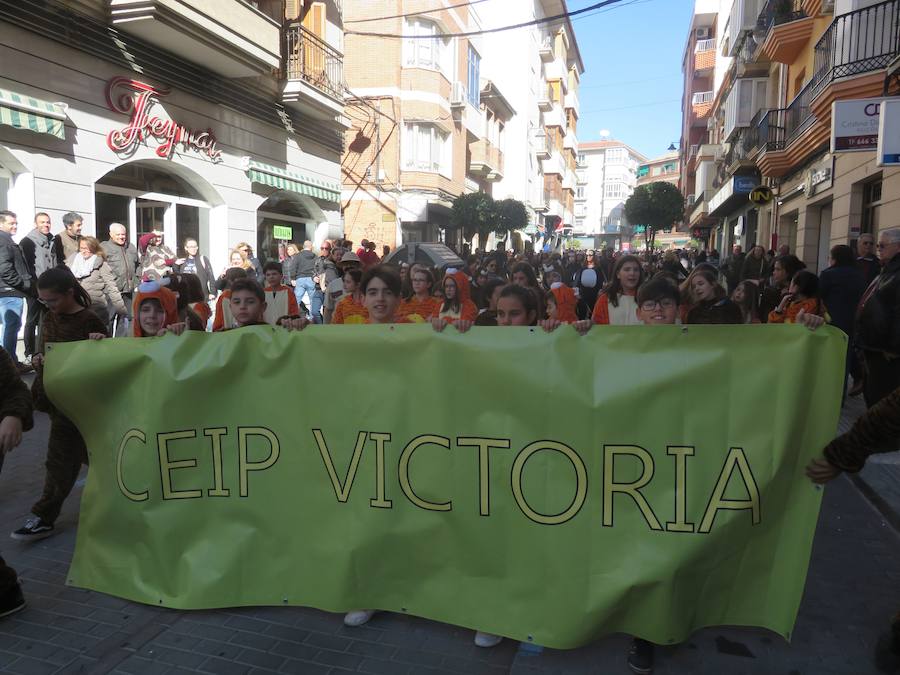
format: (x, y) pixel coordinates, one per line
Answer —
(15, 417)
(878, 323)
(37, 248)
(65, 244)
(122, 258)
(866, 261)
(15, 284)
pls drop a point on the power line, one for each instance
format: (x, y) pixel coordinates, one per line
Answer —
(617, 84)
(444, 36)
(629, 107)
(424, 11)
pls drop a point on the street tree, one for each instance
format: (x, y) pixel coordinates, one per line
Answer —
(657, 206)
(509, 215)
(474, 213)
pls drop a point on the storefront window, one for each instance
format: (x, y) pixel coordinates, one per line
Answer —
(871, 204)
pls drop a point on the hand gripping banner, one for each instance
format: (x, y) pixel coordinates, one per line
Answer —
(547, 487)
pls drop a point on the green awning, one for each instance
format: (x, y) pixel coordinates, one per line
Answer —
(25, 112)
(326, 190)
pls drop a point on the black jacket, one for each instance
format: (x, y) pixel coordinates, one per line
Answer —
(878, 325)
(124, 263)
(722, 310)
(15, 280)
(203, 270)
(38, 252)
(841, 289)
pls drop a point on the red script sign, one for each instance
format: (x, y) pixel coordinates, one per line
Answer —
(136, 99)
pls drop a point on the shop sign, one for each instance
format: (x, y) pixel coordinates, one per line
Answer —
(282, 232)
(889, 134)
(854, 124)
(819, 177)
(761, 194)
(137, 99)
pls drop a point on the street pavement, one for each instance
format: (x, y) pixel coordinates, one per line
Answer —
(852, 590)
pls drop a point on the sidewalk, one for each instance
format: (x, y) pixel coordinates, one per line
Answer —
(851, 593)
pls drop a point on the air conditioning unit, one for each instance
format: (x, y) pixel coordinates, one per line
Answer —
(702, 33)
(458, 95)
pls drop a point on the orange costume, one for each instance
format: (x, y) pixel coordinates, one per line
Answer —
(151, 290)
(348, 310)
(565, 302)
(811, 305)
(223, 307)
(467, 309)
(280, 302)
(419, 311)
(202, 310)
(606, 313)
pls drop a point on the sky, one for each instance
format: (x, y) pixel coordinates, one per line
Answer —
(632, 83)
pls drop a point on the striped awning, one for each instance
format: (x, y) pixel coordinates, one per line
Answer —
(25, 112)
(326, 190)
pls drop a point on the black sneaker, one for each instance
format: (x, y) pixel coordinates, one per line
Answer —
(12, 601)
(33, 530)
(640, 658)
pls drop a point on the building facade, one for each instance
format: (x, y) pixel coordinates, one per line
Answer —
(438, 115)
(606, 178)
(665, 168)
(220, 121)
(796, 70)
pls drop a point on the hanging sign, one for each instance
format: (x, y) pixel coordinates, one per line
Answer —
(282, 231)
(854, 124)
(136, 99)
(889, 134)
(761, 195)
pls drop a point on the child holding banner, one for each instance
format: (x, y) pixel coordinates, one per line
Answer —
(223, 319)
(350, 308)
(69, 319)
(457, 306)
(15, 417)
(420, 305)
(616, 304)
(280, 299)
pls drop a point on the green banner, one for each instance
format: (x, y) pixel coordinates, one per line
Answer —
(546, 487)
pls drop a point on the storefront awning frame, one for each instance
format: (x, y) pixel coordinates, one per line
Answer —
(32, 114)
(292, 181)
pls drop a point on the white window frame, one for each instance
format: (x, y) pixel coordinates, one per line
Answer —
(439, 149)
(430, 54)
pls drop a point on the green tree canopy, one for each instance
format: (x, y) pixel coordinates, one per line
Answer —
(473, 213)
(657, 206)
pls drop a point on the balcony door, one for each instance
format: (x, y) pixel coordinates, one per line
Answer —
(313, 54)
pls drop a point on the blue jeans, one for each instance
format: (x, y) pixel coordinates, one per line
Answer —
(305, 288)
(318, 299)
(11, 318)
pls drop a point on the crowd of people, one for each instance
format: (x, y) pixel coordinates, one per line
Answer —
(77, 288)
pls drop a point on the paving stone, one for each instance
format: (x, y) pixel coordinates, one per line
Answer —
(291, 667)
(338, 659)
(260, 659)
(223, 667)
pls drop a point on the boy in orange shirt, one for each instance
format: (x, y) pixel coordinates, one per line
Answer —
(224, 319)
(280, 299)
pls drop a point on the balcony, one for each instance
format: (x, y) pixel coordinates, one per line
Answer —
(555, 117)
(787, 27)
(571, 102)
(701, 105)
(540, 142)
(850, 62)
(314, 71)
(554, 165)
(230, 38)
(545, 99)
(751, 61)
(486, 160)
(545, 51)
(570, 142)
(704, 56)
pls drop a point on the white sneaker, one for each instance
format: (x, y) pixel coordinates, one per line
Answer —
(487, 639)
(358, 617)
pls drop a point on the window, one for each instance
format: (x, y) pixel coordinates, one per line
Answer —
(579, 224)
(871, 202)
(615, 155)
(643, 171)
(474, 78)
(615, 191)
(582, 159)
(579, 209)
(425, 148)
(579, 192)
(424, 53)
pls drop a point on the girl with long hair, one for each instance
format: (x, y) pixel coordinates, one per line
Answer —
(68, 319)
(616, 305)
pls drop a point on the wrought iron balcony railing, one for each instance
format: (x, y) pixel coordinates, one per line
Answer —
(859, 42)
(778, 12)
(310, 59)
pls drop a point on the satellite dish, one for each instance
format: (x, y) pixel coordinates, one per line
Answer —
(604, 133)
